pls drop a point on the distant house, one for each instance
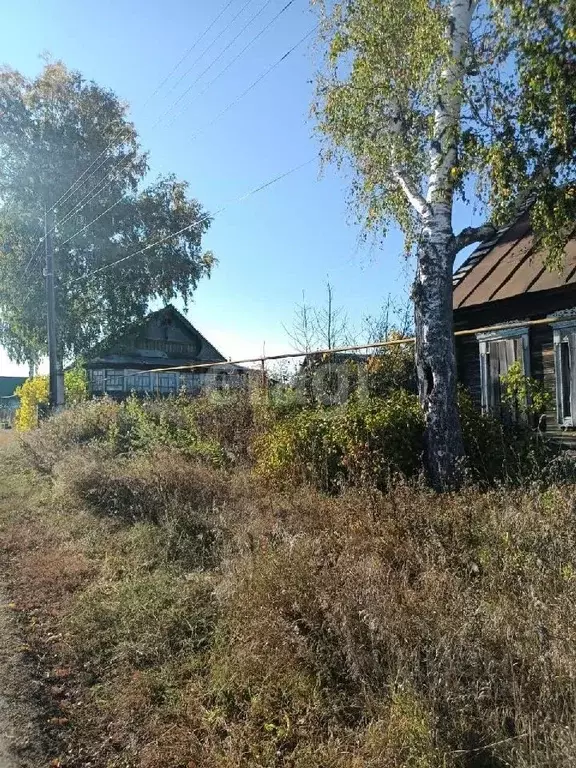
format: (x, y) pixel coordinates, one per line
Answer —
(504, 283)
(130, 361)
(9, 402)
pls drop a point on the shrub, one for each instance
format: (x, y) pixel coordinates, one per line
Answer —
(501, 452)
(363, 441)
(34, 394)
(391, 368)
(147, 424)
(163, 487)
(81, 424)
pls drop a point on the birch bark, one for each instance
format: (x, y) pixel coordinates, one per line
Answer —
(435, 356)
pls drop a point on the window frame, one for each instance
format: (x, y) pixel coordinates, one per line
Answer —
(564, 331)
(484, 340)
(97, 379)
(114, 375)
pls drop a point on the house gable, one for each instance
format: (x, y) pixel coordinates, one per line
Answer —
(163, 337)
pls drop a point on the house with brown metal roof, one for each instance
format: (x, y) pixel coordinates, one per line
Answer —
(526, 313)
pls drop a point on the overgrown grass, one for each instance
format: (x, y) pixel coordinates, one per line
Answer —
(189, 613)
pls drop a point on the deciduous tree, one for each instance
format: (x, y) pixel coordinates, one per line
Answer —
(434, 99)
(57, 129)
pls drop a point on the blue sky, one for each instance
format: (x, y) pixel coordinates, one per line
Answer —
(289, 238)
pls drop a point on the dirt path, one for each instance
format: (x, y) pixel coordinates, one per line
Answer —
(18, 742)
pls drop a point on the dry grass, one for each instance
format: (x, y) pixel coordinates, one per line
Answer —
(7, 436)
(189, 617)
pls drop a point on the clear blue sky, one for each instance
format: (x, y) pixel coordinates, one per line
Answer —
(286, 239)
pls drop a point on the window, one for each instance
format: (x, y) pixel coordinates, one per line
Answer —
(167, 382)
(141, 382)
(498, 351)
(97, 379)
(564, 361)
(114, 381)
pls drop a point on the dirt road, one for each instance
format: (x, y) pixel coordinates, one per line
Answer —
(18, 742)
(7, 664)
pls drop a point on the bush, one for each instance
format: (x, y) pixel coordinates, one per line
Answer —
(170, 422)
(163, 487)
(390, 369)
(364, 441)
(34, 394)
(501, 452)
(203, 617)
(82, 424)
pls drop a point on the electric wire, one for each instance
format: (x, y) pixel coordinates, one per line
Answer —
(261, 77)
(71, 190)
(193, 223)
(91, 195)
(227, 47)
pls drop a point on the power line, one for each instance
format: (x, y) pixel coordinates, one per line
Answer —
(93, 221)
(104, 182)
(174, 104)
(253, 85)
(222, 52)
(218, 36)
(66, 195)
(195, 222)
(205, 127)
(188, 52)
(235, 59)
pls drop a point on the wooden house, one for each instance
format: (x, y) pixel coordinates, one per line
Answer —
(523, 312)
(130, 361)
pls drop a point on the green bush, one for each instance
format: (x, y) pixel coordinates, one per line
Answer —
(501, 452)
(81, 424)
(363, 441)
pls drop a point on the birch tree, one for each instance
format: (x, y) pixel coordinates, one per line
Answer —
(431, 100)
(66, 143)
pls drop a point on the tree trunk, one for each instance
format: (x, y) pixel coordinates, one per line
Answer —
(435, 356)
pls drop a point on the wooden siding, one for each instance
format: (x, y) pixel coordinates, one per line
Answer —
(468, 358)
(542, 368)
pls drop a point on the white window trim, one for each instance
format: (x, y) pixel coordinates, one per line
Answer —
(484, 339)
(564, 330)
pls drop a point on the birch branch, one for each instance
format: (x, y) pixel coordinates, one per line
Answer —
(470, 235)
(416, 200)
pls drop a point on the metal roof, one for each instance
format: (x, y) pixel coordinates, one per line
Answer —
(510, 264)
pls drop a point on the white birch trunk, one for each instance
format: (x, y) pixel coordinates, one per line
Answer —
(435, 357)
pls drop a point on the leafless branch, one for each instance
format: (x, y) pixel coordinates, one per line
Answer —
(470, 235)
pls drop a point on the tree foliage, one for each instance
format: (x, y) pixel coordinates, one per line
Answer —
(34, 395)
(429, 100)
(512, 139)
(57, 129)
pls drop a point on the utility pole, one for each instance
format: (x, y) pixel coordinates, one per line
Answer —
(56, 376)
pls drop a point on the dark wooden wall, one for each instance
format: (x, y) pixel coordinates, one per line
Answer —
(468, 361)
(542, 368)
